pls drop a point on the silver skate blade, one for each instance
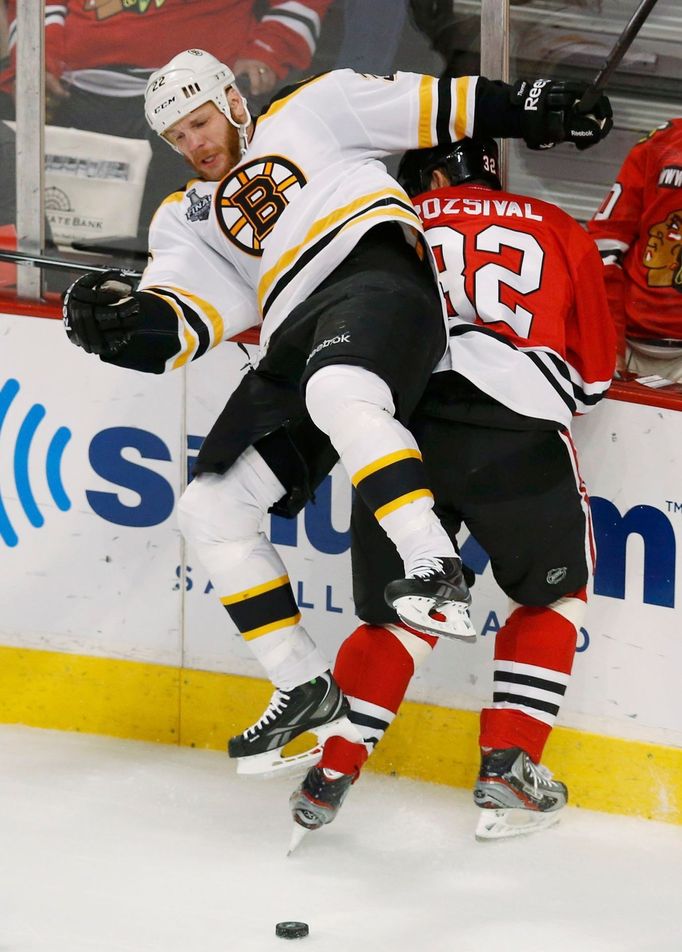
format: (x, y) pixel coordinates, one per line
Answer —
(297, 835)
(453, 619)
(503, 824)
(273, 764)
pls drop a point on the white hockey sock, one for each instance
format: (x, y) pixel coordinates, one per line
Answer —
(355, 408)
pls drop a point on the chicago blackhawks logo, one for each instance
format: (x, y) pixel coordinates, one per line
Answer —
(663, 253)
(250, 200)
(110, 8)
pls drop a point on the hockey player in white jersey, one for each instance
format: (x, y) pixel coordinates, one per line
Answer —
(294, 224)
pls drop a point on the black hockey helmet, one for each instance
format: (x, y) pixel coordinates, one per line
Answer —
(463, 161)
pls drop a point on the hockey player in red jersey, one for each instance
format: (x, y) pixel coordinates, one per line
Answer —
(638, 230)
(531, 346)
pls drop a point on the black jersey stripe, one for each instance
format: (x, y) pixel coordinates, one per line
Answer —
(287, 91)
(458, 330)
(277, 13)
(551, 379)
(192, 318)
(443, 112)
(580, 396)
(307, 256)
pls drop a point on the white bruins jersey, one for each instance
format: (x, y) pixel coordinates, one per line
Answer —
(227, 256)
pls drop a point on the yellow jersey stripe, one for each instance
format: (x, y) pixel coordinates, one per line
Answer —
(256, 590)
(402, 501)
(185, 332)
(425, 136)
(316, 230)
(273, 626)
(172, 198)
(211, 313)
(460, 126)
(383, 462)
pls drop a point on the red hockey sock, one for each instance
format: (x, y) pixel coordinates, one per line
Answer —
(374, 665)
(534, 654)
(343, 755)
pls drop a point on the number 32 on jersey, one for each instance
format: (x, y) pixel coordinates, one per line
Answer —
(488, 290)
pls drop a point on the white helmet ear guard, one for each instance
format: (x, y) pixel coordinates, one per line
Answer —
(189, 80)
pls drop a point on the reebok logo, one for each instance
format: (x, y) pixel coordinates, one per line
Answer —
(339, 339)
(531, 103)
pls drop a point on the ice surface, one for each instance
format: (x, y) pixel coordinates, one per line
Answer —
(119, 846)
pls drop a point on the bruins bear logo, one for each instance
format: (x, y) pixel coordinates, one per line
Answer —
(251, 199)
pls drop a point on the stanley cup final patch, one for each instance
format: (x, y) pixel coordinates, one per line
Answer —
(199, 206)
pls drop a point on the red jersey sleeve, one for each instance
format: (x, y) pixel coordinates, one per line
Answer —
(639, 228)
(615, 228)
(286, 36)
(55, 15)
(590, 332)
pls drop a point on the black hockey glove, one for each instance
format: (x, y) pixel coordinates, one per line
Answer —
(550, 114)
(100, 313)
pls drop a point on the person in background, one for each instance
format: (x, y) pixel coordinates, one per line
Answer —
(100, 53)
(531, 346)
(638, 230)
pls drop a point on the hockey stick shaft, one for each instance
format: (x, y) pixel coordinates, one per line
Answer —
(620, 48)
(42, 261)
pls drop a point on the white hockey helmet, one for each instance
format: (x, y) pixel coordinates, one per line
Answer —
(189, 80)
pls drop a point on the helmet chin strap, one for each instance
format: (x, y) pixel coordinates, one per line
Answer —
(241, 127)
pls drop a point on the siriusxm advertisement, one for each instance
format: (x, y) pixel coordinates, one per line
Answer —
(93, 459)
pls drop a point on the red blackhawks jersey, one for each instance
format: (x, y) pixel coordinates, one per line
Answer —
(127, 36)
(638, 230)
(523, 287)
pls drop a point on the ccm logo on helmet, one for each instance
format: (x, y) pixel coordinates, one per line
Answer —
(164, 105)
(531, 103)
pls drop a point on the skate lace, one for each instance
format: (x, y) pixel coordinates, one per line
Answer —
(278, 703)
(425, 568)
(540, 775)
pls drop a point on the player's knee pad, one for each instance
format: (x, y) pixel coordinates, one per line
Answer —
(343, 399)
(223, 508)
(571, 607)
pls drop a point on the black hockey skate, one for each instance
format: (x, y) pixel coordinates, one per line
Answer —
(318, 706)
(516, 795)
(434, 600)
(318, 798)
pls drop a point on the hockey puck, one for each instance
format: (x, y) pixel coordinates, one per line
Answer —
(291, 930)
